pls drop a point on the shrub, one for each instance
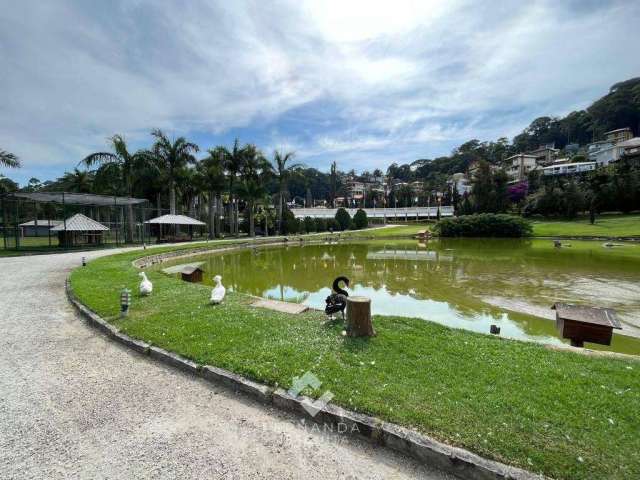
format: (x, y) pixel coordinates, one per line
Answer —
(360, 219)
(343, 218)
(333, 225)
(309, 225)
(321, 224)
(290, 223)
(484, 225)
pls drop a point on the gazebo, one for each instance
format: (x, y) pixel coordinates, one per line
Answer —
(175, 221)
(79, 230)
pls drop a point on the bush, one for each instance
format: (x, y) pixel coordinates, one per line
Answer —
(290, 223)
(309, 225)
(484, 225)
(343, 218)
(360, 219)
(333, 225)
(321, 224)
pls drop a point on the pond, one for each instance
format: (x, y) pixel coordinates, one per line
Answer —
(462, 283)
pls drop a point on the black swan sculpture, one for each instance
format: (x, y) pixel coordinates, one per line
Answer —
(337, 301)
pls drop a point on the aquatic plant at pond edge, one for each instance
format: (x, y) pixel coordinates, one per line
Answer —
(484, 225)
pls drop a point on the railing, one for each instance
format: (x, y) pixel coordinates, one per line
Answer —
(404, 213)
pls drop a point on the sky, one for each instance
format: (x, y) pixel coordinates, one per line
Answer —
(362, 83)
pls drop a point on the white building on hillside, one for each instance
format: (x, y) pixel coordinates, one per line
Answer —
(460, 183)
(619, 135)
(604, 153)
(519, 166)
(569, 168)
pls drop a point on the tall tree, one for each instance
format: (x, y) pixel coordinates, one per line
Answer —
(283, 169)
(121, 161)
(7, 185)
(482, 191)
(172, 156)
(500, 191)
(333, 184)
(255, 172)
(9, 160)
(211, 177)
(78, 181)
(233, 164)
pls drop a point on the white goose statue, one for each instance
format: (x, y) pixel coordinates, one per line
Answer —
(218, 292)
(146, 287)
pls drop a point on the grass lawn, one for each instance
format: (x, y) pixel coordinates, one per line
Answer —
(406, 230)
(605, 226)
(559, 413)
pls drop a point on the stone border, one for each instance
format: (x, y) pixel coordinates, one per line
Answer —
(457, 461)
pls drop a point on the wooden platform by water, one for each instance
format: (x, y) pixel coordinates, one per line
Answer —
(278, 306)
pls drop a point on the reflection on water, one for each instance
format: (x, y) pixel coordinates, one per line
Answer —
(466, 284)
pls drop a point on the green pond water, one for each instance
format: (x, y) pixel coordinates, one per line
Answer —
(462, 283)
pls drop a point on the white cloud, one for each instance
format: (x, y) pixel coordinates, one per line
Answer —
(358, 82)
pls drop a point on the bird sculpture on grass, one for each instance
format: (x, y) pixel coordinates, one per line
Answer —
(146, 287)
(337, 301)
(218, 292)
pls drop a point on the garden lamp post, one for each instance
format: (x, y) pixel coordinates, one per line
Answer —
(125, 301)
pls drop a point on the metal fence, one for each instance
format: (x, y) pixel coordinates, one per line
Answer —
(390, 214)
(38, 221)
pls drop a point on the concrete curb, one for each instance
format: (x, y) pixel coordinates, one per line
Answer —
(454, 460)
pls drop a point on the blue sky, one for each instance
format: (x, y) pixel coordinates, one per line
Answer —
(364, 83)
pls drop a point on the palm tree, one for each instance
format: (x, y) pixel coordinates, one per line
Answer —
(255, 172)
(333, 183)
(211, 178)
(189, 188)
(234, 163)
(283, 172)
(9, 160)
(78, 181)
(124, 162)
(7, 185)
(173, 156)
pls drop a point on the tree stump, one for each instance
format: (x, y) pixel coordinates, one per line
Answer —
(359, 317)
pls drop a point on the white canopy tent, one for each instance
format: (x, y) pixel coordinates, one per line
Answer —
(175, 221)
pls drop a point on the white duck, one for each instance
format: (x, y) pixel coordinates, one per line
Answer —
(218, 292)
(146, 287)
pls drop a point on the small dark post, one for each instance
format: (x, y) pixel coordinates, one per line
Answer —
(4, 221)
(64, 215)
(115, 206)
(15, 230)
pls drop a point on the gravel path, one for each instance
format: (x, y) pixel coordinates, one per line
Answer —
(75, 405)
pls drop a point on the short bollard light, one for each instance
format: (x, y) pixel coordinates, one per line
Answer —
(84, 261)
(125, 301)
